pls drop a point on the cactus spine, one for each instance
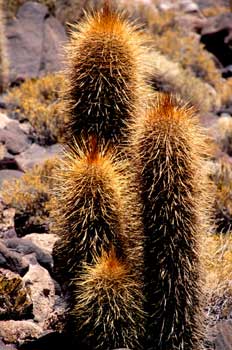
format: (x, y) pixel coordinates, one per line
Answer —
(96, 214)
(168, 147)
(104, 77)
(109, 305)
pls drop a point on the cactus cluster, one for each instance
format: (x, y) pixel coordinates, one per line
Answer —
(131, 198)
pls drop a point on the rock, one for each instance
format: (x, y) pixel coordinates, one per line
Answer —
(186, 6)
(25, 247)
(4, 120)
(42, 292)
(6, 347)
(15, 301)
(9, 174)
(33, 41)
(12, 260)
(15, 142)
(36, 155)
(12, 331)
(216, 35)
(54, 37)
(45, 241)
(11, 233)
(223, 340)
(191, 23)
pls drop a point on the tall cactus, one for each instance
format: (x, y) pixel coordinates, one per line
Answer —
(168, 148)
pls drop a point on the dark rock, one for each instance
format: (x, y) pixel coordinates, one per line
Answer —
(36, 155)
(12, 260)
(15, 301)
(227, 72)
(216, 35)
(26, 223)
(33, 42)
(49, 340)
(25, 247)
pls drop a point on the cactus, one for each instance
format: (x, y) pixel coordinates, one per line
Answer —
(104, 77)
(96, 212)
(104, 251)
(3, 54)
(108, 312)
(168, 146)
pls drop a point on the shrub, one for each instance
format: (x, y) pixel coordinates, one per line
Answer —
(169, 76)
(39, 101)
(30, 197)
(222, 177)
(172, 40)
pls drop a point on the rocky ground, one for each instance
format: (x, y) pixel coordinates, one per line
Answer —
(31, 304)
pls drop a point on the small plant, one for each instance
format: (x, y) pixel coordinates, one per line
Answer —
(39, 102)
(30, 197)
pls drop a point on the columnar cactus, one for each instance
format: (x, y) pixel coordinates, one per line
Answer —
(168, 147)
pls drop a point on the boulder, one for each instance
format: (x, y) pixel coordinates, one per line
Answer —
(44, 241)
(12, 260)
(34, 40)
(42, 292)
(35, 155)
(26, 247)
(12, 331)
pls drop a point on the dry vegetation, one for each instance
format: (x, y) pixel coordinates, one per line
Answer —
(38, 101)
(30, 196)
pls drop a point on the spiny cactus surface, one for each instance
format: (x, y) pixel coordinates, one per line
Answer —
(104, 77)
(168, 146)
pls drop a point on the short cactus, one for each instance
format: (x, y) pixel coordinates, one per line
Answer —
(104, 77)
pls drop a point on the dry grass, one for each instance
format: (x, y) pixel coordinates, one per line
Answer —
(215, 10)
(226, 92)
(170, 77)
(30, 196)
(217, 263)
(39, 101)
